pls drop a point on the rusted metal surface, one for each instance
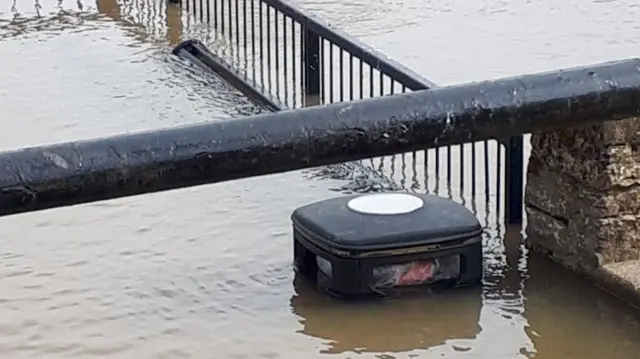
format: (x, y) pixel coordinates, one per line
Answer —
(85, 171)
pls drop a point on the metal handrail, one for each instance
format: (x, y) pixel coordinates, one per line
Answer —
(360, 50)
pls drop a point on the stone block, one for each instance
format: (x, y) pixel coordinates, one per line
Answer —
(583, 194)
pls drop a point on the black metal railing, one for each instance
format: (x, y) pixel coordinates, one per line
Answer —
(296, 60)
(33, 179)
(296, 57)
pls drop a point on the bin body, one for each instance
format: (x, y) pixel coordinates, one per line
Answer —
(362, 245)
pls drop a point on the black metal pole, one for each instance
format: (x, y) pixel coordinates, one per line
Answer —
(198, 54)
(312, 63)
(514, 180)
(85, 171)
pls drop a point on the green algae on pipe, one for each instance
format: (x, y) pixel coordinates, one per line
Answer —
(85, 171)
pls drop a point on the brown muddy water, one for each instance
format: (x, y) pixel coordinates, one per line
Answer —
(206, 272)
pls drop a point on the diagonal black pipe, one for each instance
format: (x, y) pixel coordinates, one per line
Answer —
(85, 171)
(197, 53)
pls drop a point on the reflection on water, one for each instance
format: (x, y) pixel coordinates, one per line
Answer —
(598, 326)
(408, 323)
(206, 272)
(528, 308)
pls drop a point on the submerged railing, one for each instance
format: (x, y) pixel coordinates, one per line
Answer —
(282, 57)
(295, 60)
(295, 57)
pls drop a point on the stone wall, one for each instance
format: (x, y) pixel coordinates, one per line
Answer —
(583, 194)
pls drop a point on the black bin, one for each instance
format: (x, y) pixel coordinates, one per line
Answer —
(364, 245)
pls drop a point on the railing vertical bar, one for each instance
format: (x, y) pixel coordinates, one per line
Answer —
(221, 16)
(499, 173)
(449, 155)
(293, 61)
(303, 60)
(461, 169)
(285, 56)
(330, 72)
(230, 21)
(156, 11)
(237, 7)
(350, 77)
(473, 168)
(245, 34)
(486, 170)
(514, 173)
(403, 170)
(425, 164)
(392, 164)
(260, 35)
(269, 49)
(415, 185)
(139, 11)
(187, 20)
(312, 66)
(437, 169)
(381, 76)
(371, 89)
(341, 73)
(276, 49)
(215, 13)
(253, 40)
(323, 96)
(361, 77)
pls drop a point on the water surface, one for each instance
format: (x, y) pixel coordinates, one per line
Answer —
(205, 272)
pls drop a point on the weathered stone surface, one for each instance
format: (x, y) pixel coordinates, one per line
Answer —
(583, 194)
(622, 280)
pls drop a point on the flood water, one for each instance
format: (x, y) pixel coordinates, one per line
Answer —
(206, 272)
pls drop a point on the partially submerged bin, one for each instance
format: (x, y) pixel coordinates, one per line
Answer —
(361, 245)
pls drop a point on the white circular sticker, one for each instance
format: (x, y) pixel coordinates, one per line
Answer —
(385, 203)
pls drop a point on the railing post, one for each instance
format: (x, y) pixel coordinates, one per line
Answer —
(312, 67)
(514, 174)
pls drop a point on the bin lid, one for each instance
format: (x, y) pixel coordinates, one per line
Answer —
(385, 221)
